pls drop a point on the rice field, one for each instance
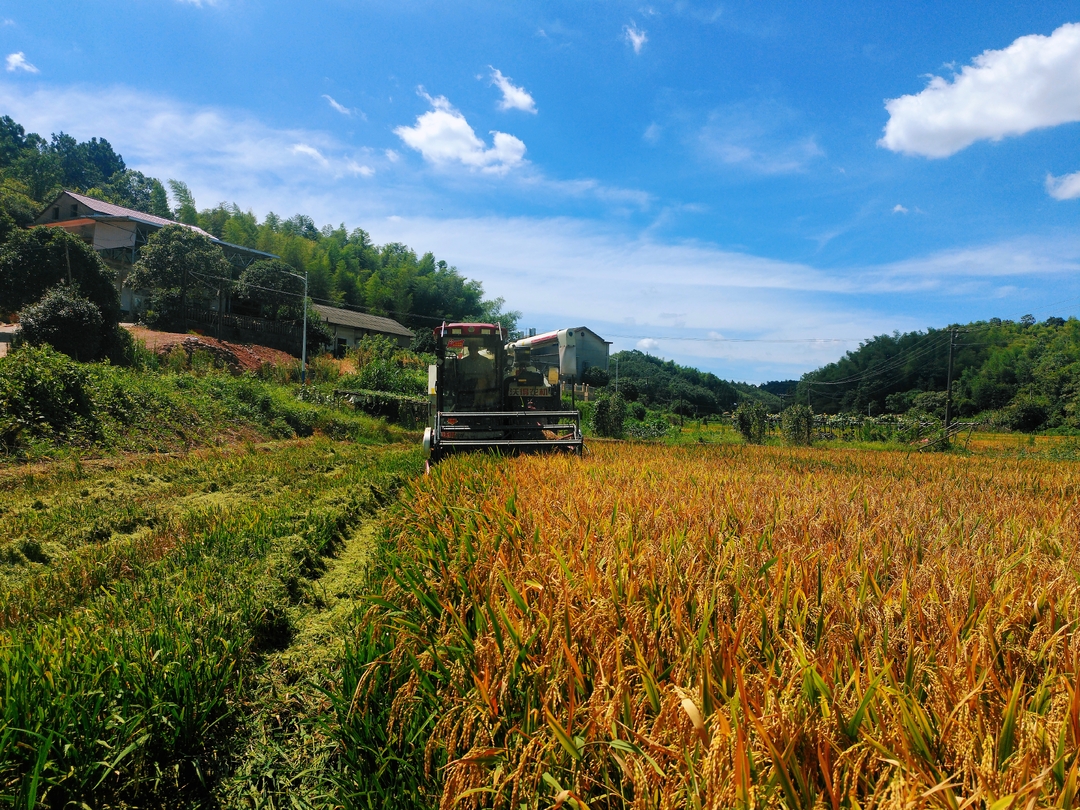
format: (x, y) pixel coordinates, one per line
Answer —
(724, 627)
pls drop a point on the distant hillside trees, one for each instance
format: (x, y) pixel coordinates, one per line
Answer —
(1027, 371)
(681, 389)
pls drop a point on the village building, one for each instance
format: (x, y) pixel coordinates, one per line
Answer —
(118, 234)
(349, 327)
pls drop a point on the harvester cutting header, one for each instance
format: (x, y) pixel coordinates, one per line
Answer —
(487, 393)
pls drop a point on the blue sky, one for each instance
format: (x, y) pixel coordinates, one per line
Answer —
(748, 188)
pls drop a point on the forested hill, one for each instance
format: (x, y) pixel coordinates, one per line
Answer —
(1026, 370)
(681, 389)
(343, 265)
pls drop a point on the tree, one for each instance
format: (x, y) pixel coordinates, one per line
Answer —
(797, 422)
(15, 201)
(133, 189)
(65, 320)
(270, 289)
(750, 421)
(492, 312)
(12, 141)
(39, 168)
(608, 416)
(176, 262)
(185, 210)
(33, 261)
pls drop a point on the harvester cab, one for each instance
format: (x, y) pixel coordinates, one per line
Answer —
(486, 394)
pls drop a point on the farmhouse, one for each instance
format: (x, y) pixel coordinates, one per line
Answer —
(118, 234)
(349, 327)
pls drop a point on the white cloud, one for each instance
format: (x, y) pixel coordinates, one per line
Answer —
(1066, 187)
(513, 97)
(360, 169)
(758, 137)
(1033, 83)
(311, 151)
(7, 21)
(899, 209)
(392, 156)
(648, 345)
(652, 133)
(625, 283)
(17, 61)
(635, 36)
(443, 136)
(341, 108)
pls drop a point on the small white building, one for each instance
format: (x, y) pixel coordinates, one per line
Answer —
(349, 327)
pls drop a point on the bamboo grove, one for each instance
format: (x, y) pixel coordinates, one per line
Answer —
(722, 627)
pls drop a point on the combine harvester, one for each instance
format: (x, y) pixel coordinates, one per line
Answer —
(487, 394)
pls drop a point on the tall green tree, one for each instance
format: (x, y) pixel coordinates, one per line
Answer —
(177, 264)
(185, 210)
(35, 260)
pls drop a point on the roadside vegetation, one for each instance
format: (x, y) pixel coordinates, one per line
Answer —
(52, 406)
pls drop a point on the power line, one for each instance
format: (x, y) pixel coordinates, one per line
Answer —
(737, 340)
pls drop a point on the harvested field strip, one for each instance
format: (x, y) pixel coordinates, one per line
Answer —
(722, 627)
(130, 652)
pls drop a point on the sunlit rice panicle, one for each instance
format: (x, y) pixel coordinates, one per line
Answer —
(736, 627)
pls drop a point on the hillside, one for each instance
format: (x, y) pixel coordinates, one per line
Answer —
(681, 389)
(1026, 372)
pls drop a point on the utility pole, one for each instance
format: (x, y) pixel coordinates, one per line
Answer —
(616, 375)
(303, 350)
(948, 385)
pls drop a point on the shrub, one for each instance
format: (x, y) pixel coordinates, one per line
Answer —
(45, 394)
(65, 320)
(382, 366)
(595, 377)
(797, 423)
(750, 422)
(1027, 413)
(608, 416)
(655, 426)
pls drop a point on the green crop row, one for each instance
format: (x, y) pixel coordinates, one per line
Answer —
(141, 602)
